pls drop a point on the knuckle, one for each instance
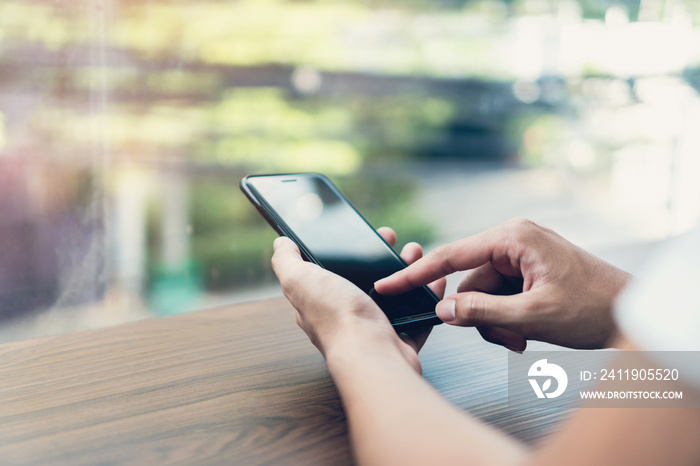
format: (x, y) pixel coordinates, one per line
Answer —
(523, 222)
(521, 232)
(470, 309)
(443, 253)
(522, 225)
(527, 307)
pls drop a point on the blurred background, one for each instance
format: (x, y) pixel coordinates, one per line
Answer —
(126, 125)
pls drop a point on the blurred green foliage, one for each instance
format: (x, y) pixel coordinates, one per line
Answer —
(256, 86)
(231, 244)
(230, 240)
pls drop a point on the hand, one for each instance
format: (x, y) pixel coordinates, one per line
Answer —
(527, 282)
(333, 312)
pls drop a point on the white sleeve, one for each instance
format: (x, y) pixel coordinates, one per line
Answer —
(660, 310)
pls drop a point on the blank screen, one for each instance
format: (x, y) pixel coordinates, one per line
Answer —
(341, 240)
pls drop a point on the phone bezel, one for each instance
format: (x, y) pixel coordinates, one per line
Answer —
(276, 222)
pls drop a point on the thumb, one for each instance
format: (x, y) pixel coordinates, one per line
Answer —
(474, 308)
(286, 256)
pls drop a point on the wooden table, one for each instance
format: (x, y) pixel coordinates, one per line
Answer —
(234, 385)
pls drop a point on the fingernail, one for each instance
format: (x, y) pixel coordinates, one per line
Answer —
(276, 243)
(378, 283)
(446, 310)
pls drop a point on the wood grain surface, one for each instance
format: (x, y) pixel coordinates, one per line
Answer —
(233, 385)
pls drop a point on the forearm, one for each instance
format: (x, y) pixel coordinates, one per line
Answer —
(396, 417)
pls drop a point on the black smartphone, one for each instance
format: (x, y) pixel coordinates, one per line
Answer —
(309, 209)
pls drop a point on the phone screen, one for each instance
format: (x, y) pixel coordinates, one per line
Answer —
(340, 239)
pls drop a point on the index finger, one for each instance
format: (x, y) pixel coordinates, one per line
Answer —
(465, 254)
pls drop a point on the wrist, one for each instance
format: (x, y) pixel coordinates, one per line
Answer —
(359, 344)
